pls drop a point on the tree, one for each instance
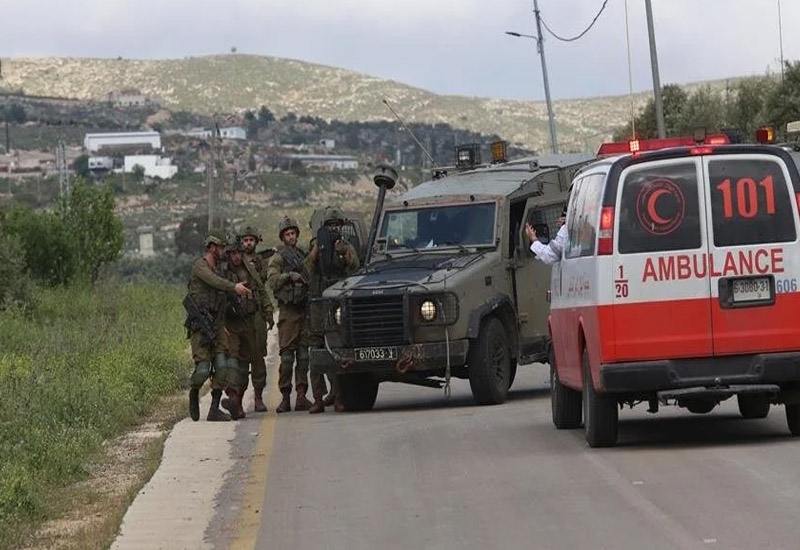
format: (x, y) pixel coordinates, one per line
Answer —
(673, 98)
(783, 102)
(138, 172)
(49, 251)
(705, 109)
(81, 166)
(746, 111)
(190, 235)
(12, 262)
(92, 227)
(265, 116)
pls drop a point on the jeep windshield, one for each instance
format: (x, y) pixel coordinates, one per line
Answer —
(426, 228)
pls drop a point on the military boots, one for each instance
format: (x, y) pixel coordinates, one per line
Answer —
(233, 404)
(285, 405)
(214, 414)
(318, 406)
(258, 400)
(194, 404)
(302, 403)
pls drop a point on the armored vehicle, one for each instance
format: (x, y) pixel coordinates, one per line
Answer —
(449, 287)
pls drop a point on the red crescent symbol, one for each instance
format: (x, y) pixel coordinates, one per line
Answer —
(651, 206)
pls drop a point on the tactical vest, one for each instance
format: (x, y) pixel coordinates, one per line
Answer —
(204, 295)
(291, 292)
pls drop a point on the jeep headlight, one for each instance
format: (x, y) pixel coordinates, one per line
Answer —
(427, 310)
(337, 315)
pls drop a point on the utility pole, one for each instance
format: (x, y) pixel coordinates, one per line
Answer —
(210, 184)
(61, 166)
(780, 36)
(654, 64)
(540, 49)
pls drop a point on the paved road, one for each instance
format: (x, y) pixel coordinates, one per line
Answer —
(418, 472)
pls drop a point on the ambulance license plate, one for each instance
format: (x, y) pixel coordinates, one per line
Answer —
(756, 289)
(376, 354)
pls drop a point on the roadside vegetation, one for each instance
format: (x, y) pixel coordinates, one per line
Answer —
(83, 354)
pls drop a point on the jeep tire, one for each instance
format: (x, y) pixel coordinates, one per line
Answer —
(753, 406)
(358, 392)
(489, 363)
(793, 418)
(600, 413)
(565, 403)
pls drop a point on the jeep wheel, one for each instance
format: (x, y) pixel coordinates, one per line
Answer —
(753, 406)
(793, 418)
(699, 406)
(600, 413)
(565, 403)
(489, 363)
(513, 374)
(358, 392)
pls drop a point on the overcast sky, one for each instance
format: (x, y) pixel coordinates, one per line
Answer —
(446, 46)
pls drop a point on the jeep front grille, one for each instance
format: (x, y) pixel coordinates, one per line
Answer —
(376, 321)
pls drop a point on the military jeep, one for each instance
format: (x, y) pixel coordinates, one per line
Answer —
(449, 288)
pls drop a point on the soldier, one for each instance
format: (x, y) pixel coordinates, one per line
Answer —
(238, 322)
(289, 279)
(263, 320)
(332, 259)
(205, 306)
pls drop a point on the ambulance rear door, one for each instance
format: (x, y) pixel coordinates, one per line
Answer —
(754, 260)
(661, 291)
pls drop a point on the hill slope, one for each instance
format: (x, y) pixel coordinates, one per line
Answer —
(228, 83)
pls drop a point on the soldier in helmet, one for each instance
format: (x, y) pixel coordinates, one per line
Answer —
(332, 259)
(263, 319)
(289, 278)
(205, 307)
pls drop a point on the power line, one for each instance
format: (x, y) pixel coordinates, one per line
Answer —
(578, 36)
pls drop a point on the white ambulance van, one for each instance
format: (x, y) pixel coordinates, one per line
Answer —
(678, 285)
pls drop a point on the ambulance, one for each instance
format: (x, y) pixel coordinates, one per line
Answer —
(678, 284)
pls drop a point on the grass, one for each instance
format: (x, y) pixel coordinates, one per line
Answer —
(77, 367)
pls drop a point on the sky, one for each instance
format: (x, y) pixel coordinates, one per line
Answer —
(445, 46)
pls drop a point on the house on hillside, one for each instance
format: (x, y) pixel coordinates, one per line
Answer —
(128, 97)
(324, 162)
(233, 132)
(154, 166)
(120, 140)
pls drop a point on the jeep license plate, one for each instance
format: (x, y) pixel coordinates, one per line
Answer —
(376, 354)
(755, 289)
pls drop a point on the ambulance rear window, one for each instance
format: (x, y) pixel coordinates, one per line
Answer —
(750, 202)
(660, 209)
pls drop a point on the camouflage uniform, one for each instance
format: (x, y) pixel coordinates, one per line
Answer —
(261, 321)
(293, 327)
(208, 292)
(344, 263)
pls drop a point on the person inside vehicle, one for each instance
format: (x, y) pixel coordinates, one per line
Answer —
(551, 252)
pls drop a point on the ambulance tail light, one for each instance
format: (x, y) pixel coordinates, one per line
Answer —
(605, 241)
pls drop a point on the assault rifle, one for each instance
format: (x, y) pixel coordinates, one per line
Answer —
(199, 319)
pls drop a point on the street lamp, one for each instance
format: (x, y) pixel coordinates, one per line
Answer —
(540, 49)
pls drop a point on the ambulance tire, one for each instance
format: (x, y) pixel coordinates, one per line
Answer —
(566, 405)
(358, 391)
(600, 412)
(489, 363)
(793, 418)
(753, 406)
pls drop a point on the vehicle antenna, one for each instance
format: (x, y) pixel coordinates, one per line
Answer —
(407, 129)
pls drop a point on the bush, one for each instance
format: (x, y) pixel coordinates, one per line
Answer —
(78, 367)
(12, 264)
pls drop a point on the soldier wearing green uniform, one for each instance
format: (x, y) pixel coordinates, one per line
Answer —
(263, 319)
(332, 259)
(205, 305)
(289, 279)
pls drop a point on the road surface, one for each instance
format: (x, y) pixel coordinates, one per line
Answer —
(422, 472)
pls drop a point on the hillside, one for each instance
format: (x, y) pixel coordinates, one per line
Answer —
(228, 83)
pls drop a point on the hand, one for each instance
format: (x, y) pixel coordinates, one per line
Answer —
(561, 221)
(314, 252)
(530, 232)
(296, 277)
(242, 290)
(340, 247)
(270, 322)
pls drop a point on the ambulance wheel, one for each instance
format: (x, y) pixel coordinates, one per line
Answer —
(489, 363)
(753, 406)
(565, 403)
(358, 392)
(793, 418)
(600, 413)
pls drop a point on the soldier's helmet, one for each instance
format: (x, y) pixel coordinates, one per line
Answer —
(333, 214)
(249, 231)
(216, 236)
(287, 223)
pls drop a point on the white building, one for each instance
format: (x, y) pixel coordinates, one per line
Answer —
(101, 164)
(95, 142)
(146, 249)
(233, 132)
(154, 166)
(326, 162)
(199, 133)
(328, 143)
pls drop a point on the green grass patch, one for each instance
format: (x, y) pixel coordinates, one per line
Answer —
(78, 366)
